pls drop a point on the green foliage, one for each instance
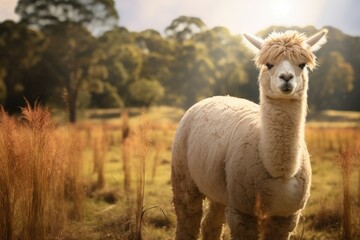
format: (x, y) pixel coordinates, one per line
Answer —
(227, 54)
(123, 58)
(337, 78)
(146, 92)
(2, 92)
(83, 99)
(20, 45)
(184, 27)
(74, 60)
(2, 86)
(193, 73)
(128, 68)
(20, 49)
(131, 59)
(152, 41)
(91, 13)
(107, 98)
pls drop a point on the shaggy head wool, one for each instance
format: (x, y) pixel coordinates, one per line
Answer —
(289, 45)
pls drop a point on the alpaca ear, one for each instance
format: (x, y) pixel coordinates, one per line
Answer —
(254, 43)
(317, 40)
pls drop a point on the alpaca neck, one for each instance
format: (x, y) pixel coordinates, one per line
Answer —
(282, 125)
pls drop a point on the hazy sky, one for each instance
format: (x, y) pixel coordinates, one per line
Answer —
(237, 15)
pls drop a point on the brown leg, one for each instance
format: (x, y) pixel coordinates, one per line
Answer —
(212, 224)
(280, 228)
(188, 206)
(242, 226)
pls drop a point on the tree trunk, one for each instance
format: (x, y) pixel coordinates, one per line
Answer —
(72, 112)
(72, 98)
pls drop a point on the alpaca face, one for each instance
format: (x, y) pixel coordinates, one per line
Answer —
(283, 59)
(284, 80)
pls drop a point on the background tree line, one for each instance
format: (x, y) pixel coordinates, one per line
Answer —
(75, 52)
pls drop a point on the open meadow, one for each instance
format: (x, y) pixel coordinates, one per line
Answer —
(108, 176)
(118, 76)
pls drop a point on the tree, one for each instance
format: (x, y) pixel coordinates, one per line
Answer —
(227, 54)
(71, 62)
(158, 56)
(184, 28)
(75, 62)
(106, 98)
(72, 48)
(193, 75)
(151, 41)
(91, 13)
(331, 82)
(123, 59)
(118, 45)
(20, 49)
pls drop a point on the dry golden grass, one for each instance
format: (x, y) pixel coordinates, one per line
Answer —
(100, 148)
(40, 169)
(29, 176)
(46, 170)
(342, 145)
(332, 138)
(126, 152)
(142, 143)
(345, 163)
(74, 183)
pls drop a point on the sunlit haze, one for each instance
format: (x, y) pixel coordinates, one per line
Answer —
(243, 16)
(237, 15)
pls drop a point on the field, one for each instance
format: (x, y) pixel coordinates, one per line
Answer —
(108, 177)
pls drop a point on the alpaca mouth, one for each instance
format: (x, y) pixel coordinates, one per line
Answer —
(286, 90)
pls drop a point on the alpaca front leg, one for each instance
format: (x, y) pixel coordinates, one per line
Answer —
(242, 226)
(280, 228)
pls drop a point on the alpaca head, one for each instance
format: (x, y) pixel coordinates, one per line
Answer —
(283, 60)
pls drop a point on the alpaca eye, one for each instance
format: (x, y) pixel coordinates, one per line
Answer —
(269, 66)
(302, 65)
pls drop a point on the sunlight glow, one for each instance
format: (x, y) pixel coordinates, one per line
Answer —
(281, 9)
(252, 16)
(237, 15)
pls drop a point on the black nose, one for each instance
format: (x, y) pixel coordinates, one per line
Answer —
(286, 76)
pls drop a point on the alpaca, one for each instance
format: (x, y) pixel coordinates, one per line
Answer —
(250, 161)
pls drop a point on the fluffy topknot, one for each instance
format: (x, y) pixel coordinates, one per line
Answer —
(290, 45)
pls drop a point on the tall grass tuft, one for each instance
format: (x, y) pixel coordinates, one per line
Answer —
(345, 161)
(358, 191)
(74, 186)
(100, 153)
(126, 152)
(28, 190)
(40, 158)
(159, 147)
(357, 156)
(142, 135)
(9, 185)
(57, 202)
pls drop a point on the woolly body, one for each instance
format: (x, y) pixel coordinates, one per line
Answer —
(229, 160)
